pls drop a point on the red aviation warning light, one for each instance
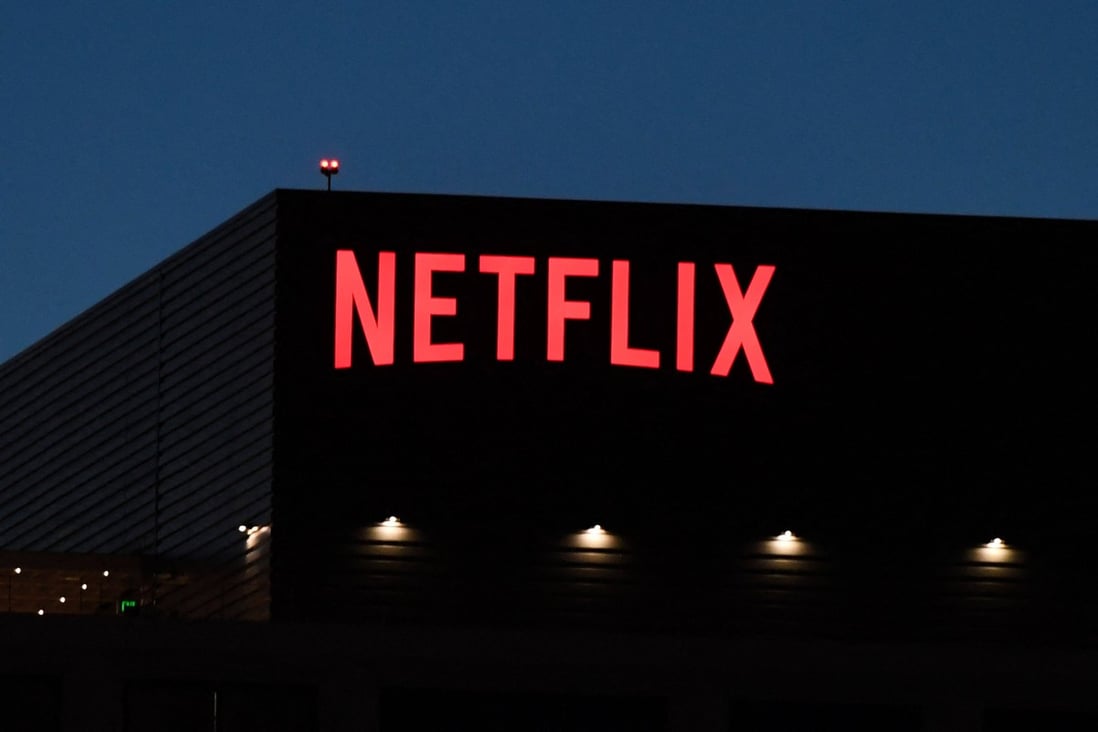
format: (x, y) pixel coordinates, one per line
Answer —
(328, 168)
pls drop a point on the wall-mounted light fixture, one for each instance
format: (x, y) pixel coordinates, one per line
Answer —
(595, 537)
(786, 544)
(996, 551)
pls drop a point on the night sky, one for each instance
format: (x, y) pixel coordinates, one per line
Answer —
(132, 128)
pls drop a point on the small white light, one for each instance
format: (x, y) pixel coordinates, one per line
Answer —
(41, 611)
(84, 586)
(391, 521)
(242, 528)
(596, 529)
(106, 573)
(61, 599)
(995, 543)
(786, 535)
(19, 570)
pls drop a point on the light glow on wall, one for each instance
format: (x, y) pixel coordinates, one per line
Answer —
(786, 544)
(594, 537)
(254, 534)
(392, 530)
(996, 551)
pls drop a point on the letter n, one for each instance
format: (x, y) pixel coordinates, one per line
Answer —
(351, 296)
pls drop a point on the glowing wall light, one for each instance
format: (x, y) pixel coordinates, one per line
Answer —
(595, 537)
(391, 529)
(253, 534)
(786, 543)
(996, 550)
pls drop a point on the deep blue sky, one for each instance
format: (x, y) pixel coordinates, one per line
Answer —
(131, 128)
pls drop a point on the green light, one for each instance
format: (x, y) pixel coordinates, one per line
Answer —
(127, 605)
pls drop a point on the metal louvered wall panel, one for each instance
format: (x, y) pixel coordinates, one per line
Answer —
(143, 427)
(67, 410)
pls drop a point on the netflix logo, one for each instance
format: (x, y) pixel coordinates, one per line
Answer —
(373, 309)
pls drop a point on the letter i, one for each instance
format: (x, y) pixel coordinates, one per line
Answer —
(684, 351)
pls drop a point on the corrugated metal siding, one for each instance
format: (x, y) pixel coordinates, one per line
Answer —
(144, 425)
(69, 407)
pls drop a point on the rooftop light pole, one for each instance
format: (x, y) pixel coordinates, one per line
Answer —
(328, 168)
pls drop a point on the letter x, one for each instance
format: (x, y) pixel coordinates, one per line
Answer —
(741, 332)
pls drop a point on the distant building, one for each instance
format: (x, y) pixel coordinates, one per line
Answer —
(412, 462)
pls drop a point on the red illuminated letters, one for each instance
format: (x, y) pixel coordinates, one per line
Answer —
(620, 352)
(684, 319)
(507, 268)
(427, 306)
(560, 268)
(741, 333)
(351, 298)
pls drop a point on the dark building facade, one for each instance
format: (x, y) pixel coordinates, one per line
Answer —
(403, 462)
